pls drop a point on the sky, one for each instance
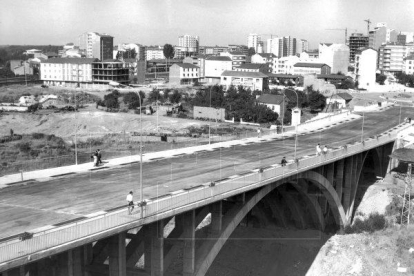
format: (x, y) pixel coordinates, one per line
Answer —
(216, 22)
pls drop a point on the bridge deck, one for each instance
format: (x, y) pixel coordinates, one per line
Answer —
(26, 207)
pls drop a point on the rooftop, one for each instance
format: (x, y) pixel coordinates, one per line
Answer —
(270, 99)
(70, 60)
(252, 66)
(266, 55)
(219, 58)
(236, 53)
(186, 65)
(345, 96)
(332, 76)
(309, 64)
(229, 73)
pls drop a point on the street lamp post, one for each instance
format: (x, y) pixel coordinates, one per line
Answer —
(399, 121)
(296, 127)
(141, 188)
(209, 131)
(363, 121)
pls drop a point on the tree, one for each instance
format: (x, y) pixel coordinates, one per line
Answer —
(168, 51)
(316, 100)
(111, 100)
(380, 78)
(251, 51)
(118, 55)
(154, 95)
(132, 99)
(130, 53)
(175, 97)
(346, 84)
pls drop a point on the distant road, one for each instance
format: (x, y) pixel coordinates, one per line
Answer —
(23, 208)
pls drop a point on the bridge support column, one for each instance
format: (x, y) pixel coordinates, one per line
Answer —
(216, 210)
(75, 262)
(339, 178)
(117, 255)
(349, 164)
(157, 248)
(189, 243)
(135, 248)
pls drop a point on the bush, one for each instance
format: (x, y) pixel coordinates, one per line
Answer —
(182, 115)
(38, 135)
(24, 147)
(373, 223)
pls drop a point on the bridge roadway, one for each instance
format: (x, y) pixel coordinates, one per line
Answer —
(26, 207)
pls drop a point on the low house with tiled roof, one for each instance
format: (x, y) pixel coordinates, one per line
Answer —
(341, 99)
(304, 68)
(51, 55)
(184, 73)
(275, 103)
(249, 80)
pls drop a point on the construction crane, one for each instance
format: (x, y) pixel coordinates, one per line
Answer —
(346, 32)
(368, 23)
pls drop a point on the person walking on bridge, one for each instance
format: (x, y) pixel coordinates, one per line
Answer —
(325, 150)
(318, 149)
(283, 162)
(130, 201)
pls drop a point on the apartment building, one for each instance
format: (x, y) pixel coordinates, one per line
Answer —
(366, 67)
(356, 41)
(67, 72)
(408, 65)
(336, 56)
(249, 80)
(96, 45)
(103, 72)
(184, 73)
(237, 58)
(154, 52)
(381, 35)
(265, 58)
(253, 41)
(391, 57)
(215, 66)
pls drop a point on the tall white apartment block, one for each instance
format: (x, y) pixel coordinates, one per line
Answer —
(366, 67)
(190, 42)
(253, 41)
(273, 46)
(96, 45)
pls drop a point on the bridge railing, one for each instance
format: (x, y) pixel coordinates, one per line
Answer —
(40, 240)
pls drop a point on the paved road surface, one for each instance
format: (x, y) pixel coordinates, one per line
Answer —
(27, 207)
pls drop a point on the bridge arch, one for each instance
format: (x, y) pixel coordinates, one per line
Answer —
(233, 217)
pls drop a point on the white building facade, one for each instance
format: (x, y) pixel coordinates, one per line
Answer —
(336, 56)
(253, 41)
(366, 67)
(408, 66)
(215, 66)
(69, 72)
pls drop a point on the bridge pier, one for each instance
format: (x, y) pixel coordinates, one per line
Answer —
(189, 243)
(117, 255)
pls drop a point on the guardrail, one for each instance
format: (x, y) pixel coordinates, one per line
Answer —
(31, 243)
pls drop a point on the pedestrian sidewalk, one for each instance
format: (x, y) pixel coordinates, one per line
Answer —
(46, 174)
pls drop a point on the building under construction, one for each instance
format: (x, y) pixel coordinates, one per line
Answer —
(110, 70)
(356, 40)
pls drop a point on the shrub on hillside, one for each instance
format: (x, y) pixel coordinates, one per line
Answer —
(38, 135)
(24, 147)
(373, 223)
